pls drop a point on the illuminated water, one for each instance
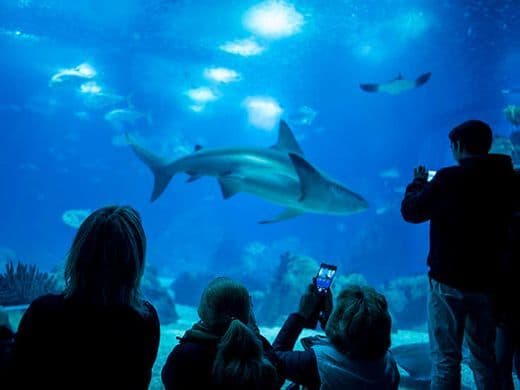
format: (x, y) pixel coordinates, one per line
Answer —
(77, 75)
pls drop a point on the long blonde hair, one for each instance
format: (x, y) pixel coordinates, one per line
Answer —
(240, 361)
(106, 260)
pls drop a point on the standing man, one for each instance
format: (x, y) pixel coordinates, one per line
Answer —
(469, 207)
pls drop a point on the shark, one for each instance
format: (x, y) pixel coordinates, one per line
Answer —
(397, 85)
(279, 174)
(82, 71)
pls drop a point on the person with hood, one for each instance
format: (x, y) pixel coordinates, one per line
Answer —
(224, 350)
(469, 207)
(353, 355)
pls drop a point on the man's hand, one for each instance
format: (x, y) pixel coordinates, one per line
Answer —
(420, 173)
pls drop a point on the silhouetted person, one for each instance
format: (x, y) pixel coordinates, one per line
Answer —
(100, 333)
(224, 350)
(6, 344)
(354, 355)
(469, 207)
(508, 330)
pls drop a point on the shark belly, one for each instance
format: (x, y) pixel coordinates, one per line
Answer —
(277, 188)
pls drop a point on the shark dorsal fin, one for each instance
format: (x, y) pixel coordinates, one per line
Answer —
(286, 141)
(197, 148)
(309, 176)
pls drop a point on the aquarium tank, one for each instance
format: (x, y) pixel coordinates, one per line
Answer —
(256, 138)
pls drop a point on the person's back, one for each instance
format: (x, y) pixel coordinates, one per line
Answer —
(339, 371)
(62, 343)
(469, 207)
(354, 355)
(99, 333)
(469, 222)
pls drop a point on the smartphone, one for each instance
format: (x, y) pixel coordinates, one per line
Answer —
(431, 175)
(325, 277)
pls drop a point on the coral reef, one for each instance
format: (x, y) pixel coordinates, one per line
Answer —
(22, 284)
(407, 300)
(159, 296)
(188, 287)
(502, 145)
(343, 281)
(292, 277)
(512, 114)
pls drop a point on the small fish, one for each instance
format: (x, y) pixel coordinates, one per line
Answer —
(83, 115)
(511, 91)
(82, 71)
(397, 85)
(305, 115)
(125, 116)
(391, 173)
(102, 100)
(75, 217)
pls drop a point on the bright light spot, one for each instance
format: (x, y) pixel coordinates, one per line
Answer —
(86, 70)
(91, 88)
(273, 19)
(201, 95)
(17, 33)
(222, 75)
(242, 47)
(374, 51)
(263, 112)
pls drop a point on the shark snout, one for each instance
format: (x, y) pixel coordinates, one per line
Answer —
(361, 203)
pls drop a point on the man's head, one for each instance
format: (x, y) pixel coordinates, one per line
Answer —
(360, 324)
(471, 138)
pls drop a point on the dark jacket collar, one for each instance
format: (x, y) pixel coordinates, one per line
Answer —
(489, 162)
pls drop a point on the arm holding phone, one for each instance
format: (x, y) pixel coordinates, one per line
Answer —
(315, 305)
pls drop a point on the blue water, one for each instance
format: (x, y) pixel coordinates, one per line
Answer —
(57, 153)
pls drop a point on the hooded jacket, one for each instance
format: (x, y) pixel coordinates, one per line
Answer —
(190, 364)
(469, 208)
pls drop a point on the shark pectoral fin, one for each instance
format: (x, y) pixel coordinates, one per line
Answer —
(286, 140)
(309, 176)
(422, 79)
(193, 177)
(369, 87)
(229, 186)
(284, 215)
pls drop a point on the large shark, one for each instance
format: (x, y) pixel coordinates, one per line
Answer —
(397, 85)
(279, 174)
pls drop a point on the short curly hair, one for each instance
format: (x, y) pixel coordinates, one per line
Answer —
(360, 324)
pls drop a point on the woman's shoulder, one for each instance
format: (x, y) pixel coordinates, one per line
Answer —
(150, 313)
(48, 301)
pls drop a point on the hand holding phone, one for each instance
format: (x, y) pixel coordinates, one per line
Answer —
(314, 303)
(324, 278)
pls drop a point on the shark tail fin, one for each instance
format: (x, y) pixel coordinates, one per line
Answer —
(157, 165)
(369, 87)
(422, 79)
